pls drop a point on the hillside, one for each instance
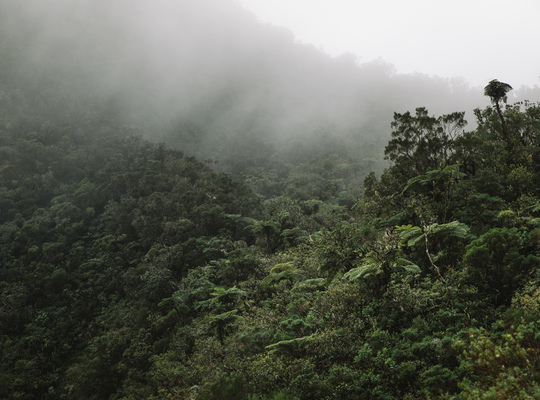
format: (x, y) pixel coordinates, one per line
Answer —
(203, 208)
(206, 78)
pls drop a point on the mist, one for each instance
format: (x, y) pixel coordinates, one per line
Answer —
(207, 78)
(195, 205)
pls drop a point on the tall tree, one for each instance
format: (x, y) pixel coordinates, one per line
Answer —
(421, 142)
(497, 91)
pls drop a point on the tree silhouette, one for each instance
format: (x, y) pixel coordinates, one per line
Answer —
(497, 91)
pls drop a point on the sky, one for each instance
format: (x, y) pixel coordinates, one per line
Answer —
(477, 40)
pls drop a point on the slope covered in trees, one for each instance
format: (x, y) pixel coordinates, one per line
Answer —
(132, 270)
(206, 78)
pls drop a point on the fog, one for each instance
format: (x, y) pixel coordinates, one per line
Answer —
(206, 77)
(473, 39)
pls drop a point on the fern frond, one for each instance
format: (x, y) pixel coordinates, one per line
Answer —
(454, 228)
(282, 267)
(434, 176)
(411, 235)
(310, 285)
(288, 347)
(291, 274)
(369, 268)
(408, 266)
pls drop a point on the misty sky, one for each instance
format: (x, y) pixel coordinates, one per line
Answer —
(478, 40)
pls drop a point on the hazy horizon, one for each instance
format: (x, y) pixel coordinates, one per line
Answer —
(205, 76)
(474, 40)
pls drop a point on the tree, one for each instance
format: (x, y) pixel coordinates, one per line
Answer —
(434, 191)
(502, 366)
(339, 247)
(268, 232)
(221, 321)
(497, 91)
(495, 264)
(281, 272)
(421, 143)
(413, 235)
(384, 257)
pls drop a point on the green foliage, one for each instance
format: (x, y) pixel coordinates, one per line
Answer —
(422, 143)
(281, 272)
(309, 285)
(292, 347)
(132, 271)
(504, 366)
(413, 235)
(278, 395)
(222, 300)
(221, 322)
(496, 265)
(431, 177)
(226, 388)
(340, 247)
(371, 266)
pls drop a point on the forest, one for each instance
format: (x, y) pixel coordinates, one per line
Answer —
(249, 218)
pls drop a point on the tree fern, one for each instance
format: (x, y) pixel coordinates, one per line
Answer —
(372, 266)
(368, 268)
(279, 272)
(288, 347)
(411, 235)
(407, 265)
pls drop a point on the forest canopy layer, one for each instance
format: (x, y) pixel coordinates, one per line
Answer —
(231, 215)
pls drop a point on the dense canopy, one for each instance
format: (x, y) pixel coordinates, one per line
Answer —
(348, 262)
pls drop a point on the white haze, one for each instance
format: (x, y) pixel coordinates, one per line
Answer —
(206, 77)
(475, 39)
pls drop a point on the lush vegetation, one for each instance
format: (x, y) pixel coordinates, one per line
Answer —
(132, 271)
